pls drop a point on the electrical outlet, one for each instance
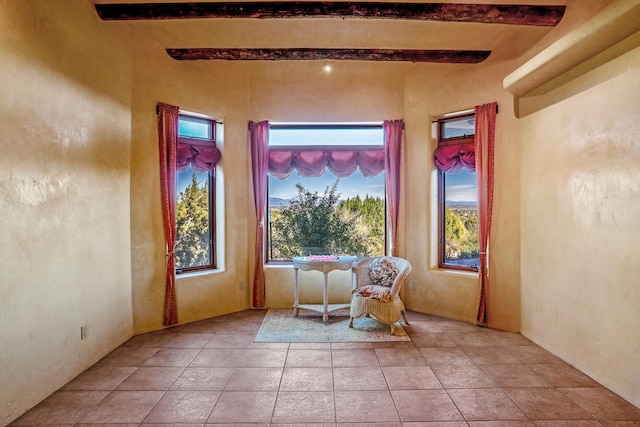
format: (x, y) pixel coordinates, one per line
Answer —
(241, 285)
(84, 332)
(414, 285)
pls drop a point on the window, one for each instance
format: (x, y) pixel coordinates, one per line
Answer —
(456, 129)
(326, 190)
(458, 243)
(195, 185)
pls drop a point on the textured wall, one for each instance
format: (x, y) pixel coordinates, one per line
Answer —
(580, 222)
(429, 94)
(300, 91)
(417, 93)
(64, 196)
(220, 90)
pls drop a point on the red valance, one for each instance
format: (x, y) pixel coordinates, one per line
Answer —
(455, 157)
(201, 156)
(312, 163)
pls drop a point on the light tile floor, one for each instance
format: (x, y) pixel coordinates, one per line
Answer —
(451, 374)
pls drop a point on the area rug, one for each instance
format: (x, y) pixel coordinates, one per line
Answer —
(280, 325)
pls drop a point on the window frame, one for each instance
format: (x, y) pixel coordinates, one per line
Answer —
(442, 141)
(211, 180)
(454, 139)
(321, 126)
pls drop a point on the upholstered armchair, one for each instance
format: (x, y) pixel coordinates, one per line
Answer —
(377, 285)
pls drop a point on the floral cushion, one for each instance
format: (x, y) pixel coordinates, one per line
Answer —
(376, 292)
(382, 272)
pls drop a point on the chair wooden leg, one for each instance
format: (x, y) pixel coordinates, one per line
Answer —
(351, 323)
(406, 322)
(393, 329)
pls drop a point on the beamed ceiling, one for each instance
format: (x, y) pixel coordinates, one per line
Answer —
(448, 32)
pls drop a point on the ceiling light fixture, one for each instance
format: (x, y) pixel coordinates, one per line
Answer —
(327, 68)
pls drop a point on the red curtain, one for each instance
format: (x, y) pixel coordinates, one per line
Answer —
(167, 140)
(455, 157)
(484, 142)
(259, 143)
(312, 163)
(392, 155)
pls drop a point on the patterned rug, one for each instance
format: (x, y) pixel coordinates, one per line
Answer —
(280, 325)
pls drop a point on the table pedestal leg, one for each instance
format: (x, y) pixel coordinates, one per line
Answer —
(325, 299)
(295, 295)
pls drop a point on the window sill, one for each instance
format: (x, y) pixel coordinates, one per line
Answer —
(456, 272)
(197, 274)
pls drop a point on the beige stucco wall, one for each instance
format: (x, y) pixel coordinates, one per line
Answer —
(580, 222)
(417, 93)
(302, 92)
(64, 196)
(430, 93)
(220, 90)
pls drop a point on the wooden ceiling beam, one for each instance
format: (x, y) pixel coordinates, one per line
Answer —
(437, 56)
(537, 15)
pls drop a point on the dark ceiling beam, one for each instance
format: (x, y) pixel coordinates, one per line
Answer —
(538, 15)
(437, 56)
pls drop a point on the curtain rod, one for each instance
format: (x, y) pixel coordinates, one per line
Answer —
(463, 113)
(311, 126)
(204, 117)
(325, 147)
(325, 126)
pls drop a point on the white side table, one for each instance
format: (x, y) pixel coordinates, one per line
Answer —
(325, 264)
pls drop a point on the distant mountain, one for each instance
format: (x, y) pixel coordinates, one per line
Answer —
(463, 205)
(276, 201)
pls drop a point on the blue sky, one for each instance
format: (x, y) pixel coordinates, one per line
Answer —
(329, 136)
(461, 187)
(348, 187)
